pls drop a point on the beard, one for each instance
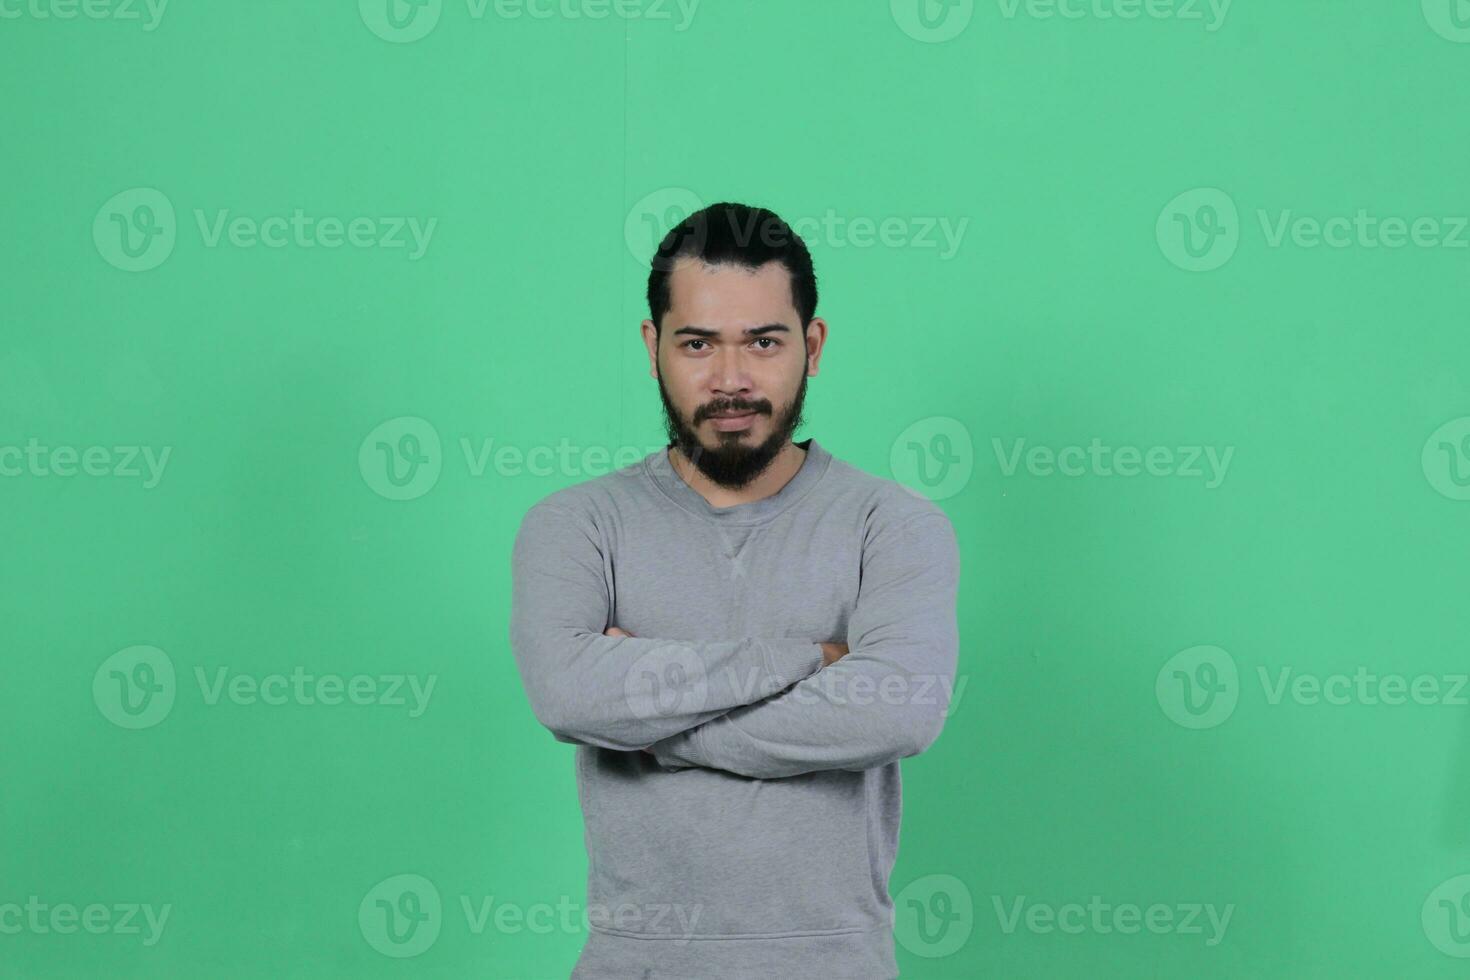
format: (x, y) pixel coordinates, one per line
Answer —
(732, 463)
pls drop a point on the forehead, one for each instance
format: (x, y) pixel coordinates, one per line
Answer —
(729, 295)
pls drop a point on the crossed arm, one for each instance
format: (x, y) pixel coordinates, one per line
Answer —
(803, 706)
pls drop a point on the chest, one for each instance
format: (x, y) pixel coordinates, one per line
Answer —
(796, 576)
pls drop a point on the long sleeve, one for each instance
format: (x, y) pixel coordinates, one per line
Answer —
(621, 693)
(885, 700)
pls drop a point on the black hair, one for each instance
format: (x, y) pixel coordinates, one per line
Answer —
(738, 234)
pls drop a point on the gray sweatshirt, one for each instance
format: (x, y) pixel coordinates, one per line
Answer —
(755, 837)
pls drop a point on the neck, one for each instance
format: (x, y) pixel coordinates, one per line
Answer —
(776, 475)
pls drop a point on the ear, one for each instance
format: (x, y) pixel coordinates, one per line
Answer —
(650, 340)
(816, 339)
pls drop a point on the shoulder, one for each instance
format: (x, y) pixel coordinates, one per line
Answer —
(590, 503)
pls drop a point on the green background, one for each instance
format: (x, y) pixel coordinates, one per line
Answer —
(546, 149)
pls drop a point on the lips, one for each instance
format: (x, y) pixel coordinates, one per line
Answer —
(733, 421)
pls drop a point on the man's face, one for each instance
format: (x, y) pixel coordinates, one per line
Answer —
(732, 343)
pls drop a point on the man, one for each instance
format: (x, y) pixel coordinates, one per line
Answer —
(742, 635)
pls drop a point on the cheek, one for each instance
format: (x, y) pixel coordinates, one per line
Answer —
(781, 382)
(685, 391)
(688, 386)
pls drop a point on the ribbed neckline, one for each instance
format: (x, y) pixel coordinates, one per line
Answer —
(667, 479)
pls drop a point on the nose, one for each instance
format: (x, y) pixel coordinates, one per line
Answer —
(729, 374)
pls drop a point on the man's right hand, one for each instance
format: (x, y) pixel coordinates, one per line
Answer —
(833, 652)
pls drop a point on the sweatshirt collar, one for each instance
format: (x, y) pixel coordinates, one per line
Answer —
(667, 479)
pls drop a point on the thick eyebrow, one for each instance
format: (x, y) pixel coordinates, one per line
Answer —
(693, 331)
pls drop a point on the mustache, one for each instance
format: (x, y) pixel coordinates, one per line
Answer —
(761, 408)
